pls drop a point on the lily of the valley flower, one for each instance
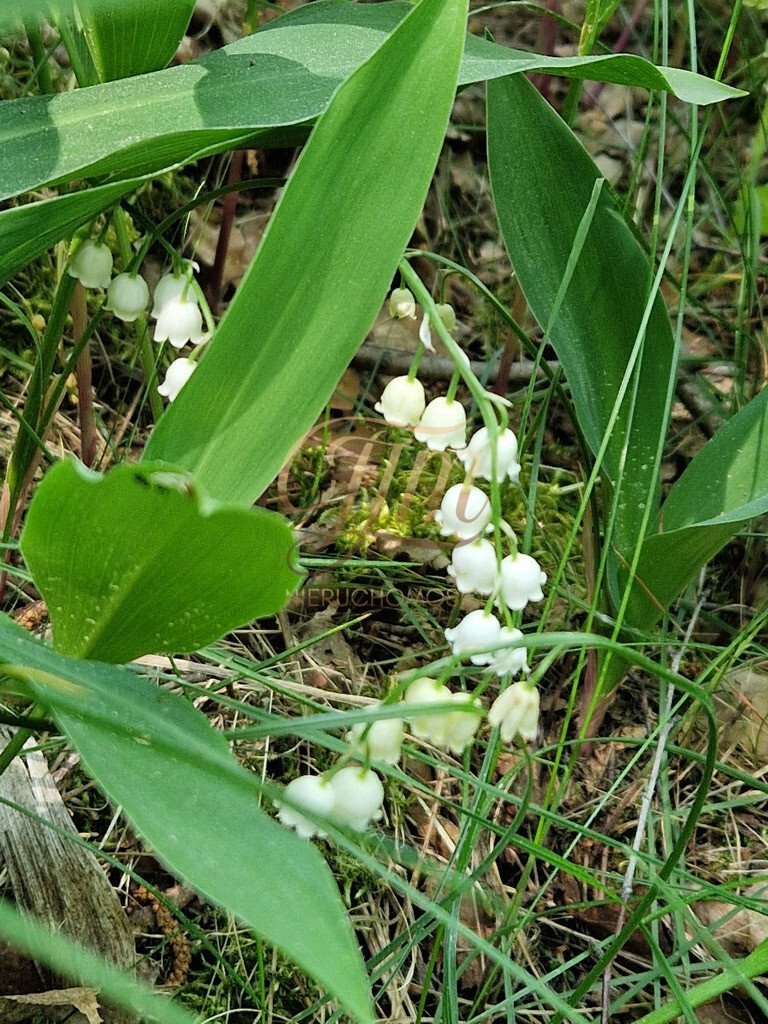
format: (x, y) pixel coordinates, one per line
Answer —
(511, 661)
(447, 314)
(428, 691)
(127, 297)
(173, 285)
(521, 581)
(179, 321)
(461, 726)
(358, 796)
(474, 567)
(311, 793)
(176, 376)
(443, 425)
(476, 457)
(516, 712)
(402, 304)
(382, 742)
(92, 265)
(464, 512)
(476, 632)
(402, 402)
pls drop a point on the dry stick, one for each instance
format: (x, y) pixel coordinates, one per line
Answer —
(216, 281)
(394, 362)
(84, 376)
(645, 808)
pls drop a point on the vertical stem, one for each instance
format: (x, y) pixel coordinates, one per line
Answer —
(83, 373)
(39, 56)
(13, 747)
(216, 281)
(149, 365)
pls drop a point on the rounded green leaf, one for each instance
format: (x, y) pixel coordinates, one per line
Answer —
(134, 562)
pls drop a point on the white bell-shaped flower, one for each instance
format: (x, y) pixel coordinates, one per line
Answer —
(402, 402)
(443, 425)
(476, 457)
(127, 297)
(310, 793)
(358, 796)
(176, 376)
(474, 567)
(425, 334)
(402, 304)
(180, 321)
(92, 265)
(382, 742)
(521, 581)
(461, 726)
(425, 691)
(511, 661)
(516, 712)
(476, 632)
(464, 512)
(170, 286)
(428, 691)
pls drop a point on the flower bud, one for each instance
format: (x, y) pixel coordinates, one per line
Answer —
(475, 633)
(127, 297)
(358, 796)
(476, 457)
(443, 425)
(311, 793)
(179, 321)
(447, 314)
(382, 742)
(521, 581)
(511, 661)
(516, 712)
(176, 376)
(402, 304)
(474, 567)
(402, 402)
(92, 265)
(464, 512)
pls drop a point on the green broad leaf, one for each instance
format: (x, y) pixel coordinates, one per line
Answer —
(724, 487)
(70, 960)
(283, 75)
(558, 228)
(324, 265)
(126, 41)
(133, 562)
(176, 779)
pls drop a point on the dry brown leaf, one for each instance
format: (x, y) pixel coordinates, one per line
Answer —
(742, 708)
(55, 1005)
(742, 933)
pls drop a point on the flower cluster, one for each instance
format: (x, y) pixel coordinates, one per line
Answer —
(478, 565)
(352, 795)
(175, 306)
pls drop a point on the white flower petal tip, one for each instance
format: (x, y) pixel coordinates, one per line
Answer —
(425, 334)
(464, 512)
(92, 265)
(127, 297)
(474, 635)
(521, 581)
(402, 304)
(358, 796)
(516, 712)
(476, 457)
(309, 793)
(443, 425)
(402, 402)
(180, 321)
(513, 661)
(382, 742)
(474, 567)
(176, 376)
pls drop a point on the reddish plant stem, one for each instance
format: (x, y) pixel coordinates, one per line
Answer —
(229, 207)
(84, 377)
(546, 45)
